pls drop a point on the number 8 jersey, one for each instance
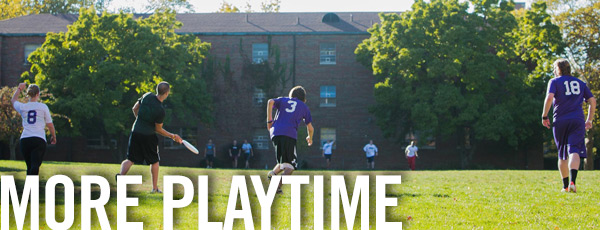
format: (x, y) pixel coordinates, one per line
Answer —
(35, 116)
(569, 94)
(290, 112)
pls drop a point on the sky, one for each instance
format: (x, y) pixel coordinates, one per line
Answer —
(210, 6)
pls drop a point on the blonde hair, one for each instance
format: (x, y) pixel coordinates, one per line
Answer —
(33, 90)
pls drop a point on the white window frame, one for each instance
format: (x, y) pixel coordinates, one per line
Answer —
(260, 55)
(328, 101)
(327, 134)
(27, 50)
(327, 54)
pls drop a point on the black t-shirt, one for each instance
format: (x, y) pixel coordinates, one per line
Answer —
(150, 113)
(235, 149)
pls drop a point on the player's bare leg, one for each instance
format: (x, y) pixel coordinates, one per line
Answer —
(563, 168)
(247, 164)
(328, 163)
(154, 171)
(276, 170)
(574, 161)
(125, 166)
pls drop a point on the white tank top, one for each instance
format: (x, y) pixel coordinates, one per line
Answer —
(35, 116)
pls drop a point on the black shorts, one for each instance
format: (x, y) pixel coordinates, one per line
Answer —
(33, 150)
(143, 148)
(210, 157)
(285, 150)
(328, 156)
(370, 159)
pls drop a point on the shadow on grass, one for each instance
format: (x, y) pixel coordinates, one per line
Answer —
(6, 169)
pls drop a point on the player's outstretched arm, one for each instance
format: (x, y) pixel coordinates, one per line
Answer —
(270, 113)
(310, 130)
(158, 128)
(18, 91)
(547, 104)
(591, 112)
(52, 132)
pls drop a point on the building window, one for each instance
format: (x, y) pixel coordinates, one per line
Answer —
(260, 53)
(328, 98)
(100, 142)
(188, 134)
(261, 139)
(327, 54)
(28, 50)
(326, 135)
(259, 96)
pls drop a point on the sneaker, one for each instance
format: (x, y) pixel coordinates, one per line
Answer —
(565, 189)
(572, 187)
(279, 191)
(270, 175)
(156, 191)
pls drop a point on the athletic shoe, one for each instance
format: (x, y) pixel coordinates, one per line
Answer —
(156, 191)
(572, 187)
(279, 191)
(271, 174)
(565, 189)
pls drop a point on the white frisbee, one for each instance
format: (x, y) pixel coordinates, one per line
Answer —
(190, 147)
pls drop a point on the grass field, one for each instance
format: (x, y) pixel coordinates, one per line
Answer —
(428, 199)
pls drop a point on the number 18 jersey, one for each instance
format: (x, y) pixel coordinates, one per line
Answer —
(290, 112)
(35, 116)
(569, 94)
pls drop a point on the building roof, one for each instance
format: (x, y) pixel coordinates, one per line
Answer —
(215, 23)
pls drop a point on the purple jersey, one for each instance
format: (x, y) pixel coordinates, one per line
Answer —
(290, 112)
(569, 94)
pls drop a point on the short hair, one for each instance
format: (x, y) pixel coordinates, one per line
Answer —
(33, 90)
(162, 88)
(562, 67)
(298, 92)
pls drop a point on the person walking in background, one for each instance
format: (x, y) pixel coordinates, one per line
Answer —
(234, 153)
(371, 152)
(567, 94)
(35, 118)
(248, 152)
(209, 153)
(327, 151)
(411, 155)
(143, 143)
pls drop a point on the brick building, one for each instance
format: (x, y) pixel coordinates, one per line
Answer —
(318, 50)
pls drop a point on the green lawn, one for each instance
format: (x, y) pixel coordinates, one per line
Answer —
(428, 199)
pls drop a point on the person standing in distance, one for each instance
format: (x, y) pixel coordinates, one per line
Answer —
(143, 142)
(209, 153)
(327, 151)
(411, 155)
(567, 94)
(234, 153)
(371, 151)
(248, 152)
(36, 117)
(284, 129)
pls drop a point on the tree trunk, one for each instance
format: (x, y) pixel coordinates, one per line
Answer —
(589, 161)
(13, 145)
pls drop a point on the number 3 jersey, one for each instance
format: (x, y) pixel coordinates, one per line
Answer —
(35, 116)
(290, 112)
(569, 94)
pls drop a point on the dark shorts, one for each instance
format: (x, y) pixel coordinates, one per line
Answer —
(370, 159)
(143, 148)
(235, 156)
(33, 150)
(328, 156)
(210, 157)
(285, 150)
(569, 136)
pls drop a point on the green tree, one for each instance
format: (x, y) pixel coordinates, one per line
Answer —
(16, 8)
(11, 127)
(228, 8)
(268, 6)
(102, 64)
(580, 25)
(180, 6)
(450, 72)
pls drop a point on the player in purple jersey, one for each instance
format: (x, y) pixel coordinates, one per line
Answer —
(284, 129)
(567, 94)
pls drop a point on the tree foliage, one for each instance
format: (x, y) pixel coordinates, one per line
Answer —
(16, 8)
(268, 6)
(447, 71)
(11, 127)
(102, 64)
(180, 6)
(228, 8)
